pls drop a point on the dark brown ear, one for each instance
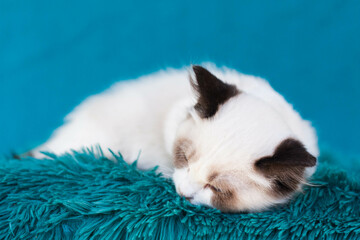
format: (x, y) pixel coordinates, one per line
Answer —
(212, 92)
(286, 167)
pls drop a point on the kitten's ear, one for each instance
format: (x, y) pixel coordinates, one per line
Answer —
(212, 92)
(287, 166)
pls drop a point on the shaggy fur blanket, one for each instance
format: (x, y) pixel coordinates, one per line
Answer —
(83, 195)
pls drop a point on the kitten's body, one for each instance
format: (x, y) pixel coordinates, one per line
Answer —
(145, 115)
(129, 117)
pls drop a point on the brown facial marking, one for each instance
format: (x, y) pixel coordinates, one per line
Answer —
(225, 199)
(183, 152)
(212, 92)
(286, 167)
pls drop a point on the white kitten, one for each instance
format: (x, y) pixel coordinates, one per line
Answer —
(233, 144)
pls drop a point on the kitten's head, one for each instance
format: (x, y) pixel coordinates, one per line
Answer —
(233, 151)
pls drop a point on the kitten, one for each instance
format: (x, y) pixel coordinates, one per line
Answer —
(229, 140)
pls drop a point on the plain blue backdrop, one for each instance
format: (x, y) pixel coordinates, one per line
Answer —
(55, 53)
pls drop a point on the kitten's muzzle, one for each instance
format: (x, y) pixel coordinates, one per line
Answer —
(189, 198)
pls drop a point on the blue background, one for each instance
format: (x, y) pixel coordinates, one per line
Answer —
(55, 53)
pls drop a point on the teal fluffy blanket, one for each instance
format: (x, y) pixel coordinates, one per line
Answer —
(86, 196)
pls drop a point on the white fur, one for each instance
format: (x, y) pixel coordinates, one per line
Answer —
(148, 114)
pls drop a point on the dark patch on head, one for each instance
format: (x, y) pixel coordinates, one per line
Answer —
(181, 159)
(286, 167)
(212, 92)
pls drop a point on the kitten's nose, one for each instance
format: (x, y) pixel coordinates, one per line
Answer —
(186, 197)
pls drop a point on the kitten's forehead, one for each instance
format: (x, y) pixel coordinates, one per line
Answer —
(244, 128)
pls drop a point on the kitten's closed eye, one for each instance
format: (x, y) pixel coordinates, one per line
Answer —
(183, 153)
(215, 189)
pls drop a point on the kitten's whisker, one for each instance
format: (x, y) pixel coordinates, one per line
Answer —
(311, 184)
(166, 171)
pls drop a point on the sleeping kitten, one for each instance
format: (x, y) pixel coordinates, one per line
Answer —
(229, 140)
